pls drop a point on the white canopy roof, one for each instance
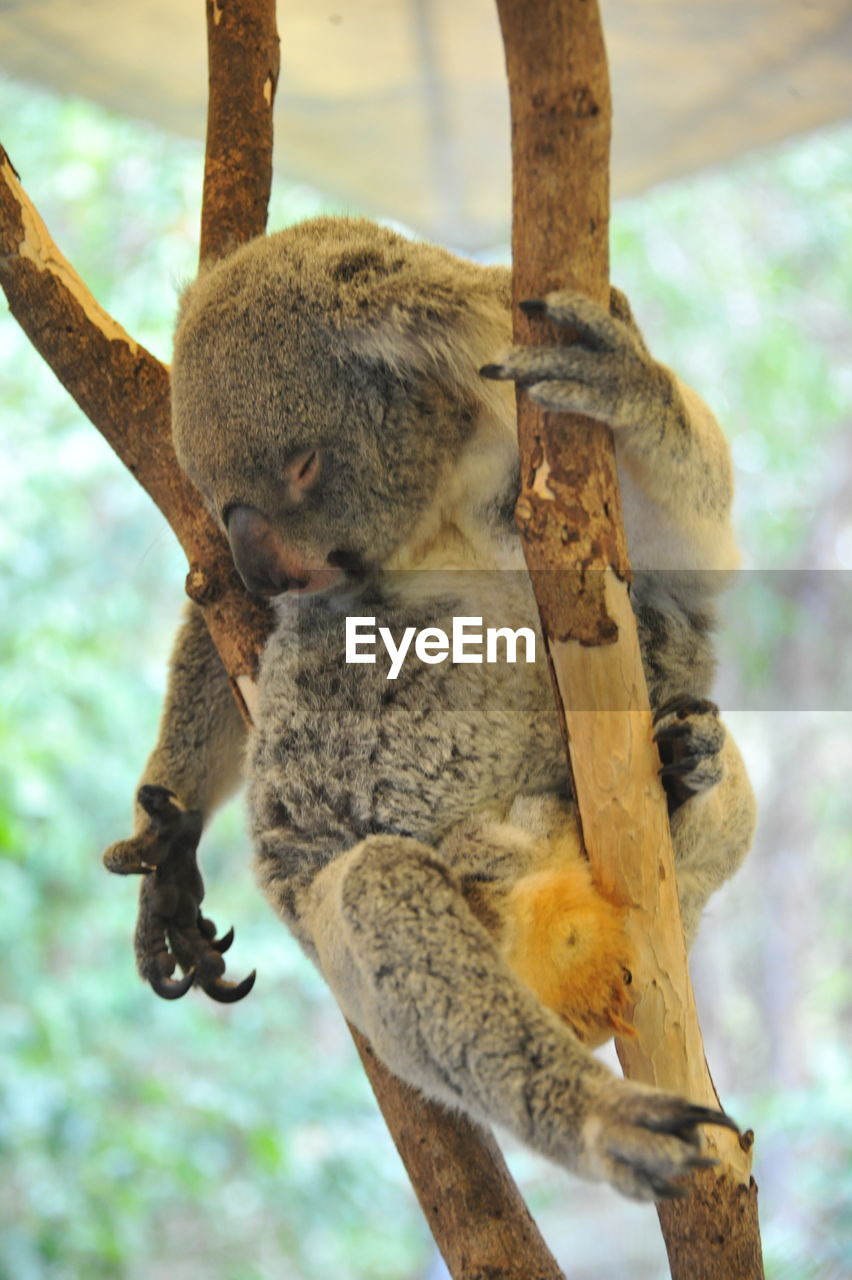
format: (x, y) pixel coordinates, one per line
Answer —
(399, 107)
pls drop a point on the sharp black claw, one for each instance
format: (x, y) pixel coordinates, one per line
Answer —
(668, 732)
(688, 1117)
(221, 944)
(688, 703)
(172, 988)
(230, 992)
(703, 1162)
(491, 371)
(707, 1115)
(668, 1190)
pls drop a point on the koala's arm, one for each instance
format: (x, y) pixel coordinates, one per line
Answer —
(194, 767)
(199, 750)
(673, 461)
(201, 740)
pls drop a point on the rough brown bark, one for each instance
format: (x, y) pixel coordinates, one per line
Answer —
(243, 61)
(476, 1214)
(578, 563)
(479, 1221)
(714, 1234)
(124, 390)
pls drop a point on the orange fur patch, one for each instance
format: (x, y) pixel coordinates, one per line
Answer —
(566, 941)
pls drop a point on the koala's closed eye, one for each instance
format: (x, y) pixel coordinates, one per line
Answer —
(302, 472)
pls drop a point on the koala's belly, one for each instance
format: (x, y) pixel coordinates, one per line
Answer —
(341, 752)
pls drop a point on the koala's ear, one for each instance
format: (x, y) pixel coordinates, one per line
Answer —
(419, 337)
(413, 307)
(450, 334)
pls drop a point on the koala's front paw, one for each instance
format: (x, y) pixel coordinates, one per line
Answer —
(690, 737)
(170, 928)
(643, 1141)
(605, 373)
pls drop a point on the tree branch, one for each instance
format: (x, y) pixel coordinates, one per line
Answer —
(243, 61)
(124, 390)
(476, 1213)
(569, 514)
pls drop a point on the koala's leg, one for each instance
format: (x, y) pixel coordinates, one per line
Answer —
(194, 766)
(711, 833)
(419, 975)
(711, 803)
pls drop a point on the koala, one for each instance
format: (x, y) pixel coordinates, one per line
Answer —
(337, 402)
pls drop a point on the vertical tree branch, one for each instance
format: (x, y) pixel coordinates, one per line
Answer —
(569, 514)
(243, 60)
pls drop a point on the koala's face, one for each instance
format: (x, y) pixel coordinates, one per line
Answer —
(316, 459)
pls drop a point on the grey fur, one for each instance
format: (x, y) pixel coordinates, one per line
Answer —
(371, 801)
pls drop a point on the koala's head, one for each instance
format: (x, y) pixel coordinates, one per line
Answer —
(324, 382)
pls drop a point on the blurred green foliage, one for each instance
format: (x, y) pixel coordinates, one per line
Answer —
(140, 1139)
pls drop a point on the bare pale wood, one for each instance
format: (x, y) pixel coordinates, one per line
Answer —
(569, 515)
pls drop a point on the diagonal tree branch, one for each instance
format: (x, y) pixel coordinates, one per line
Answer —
(560, 106)
(124, 390)
(476, 1214)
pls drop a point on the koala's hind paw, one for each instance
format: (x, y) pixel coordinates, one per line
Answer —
(690, 737)
(170, 928)
(644, 1142)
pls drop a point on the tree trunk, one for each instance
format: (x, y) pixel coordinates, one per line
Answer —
(569, 514)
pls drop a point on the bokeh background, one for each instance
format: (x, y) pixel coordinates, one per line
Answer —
(144, 1140)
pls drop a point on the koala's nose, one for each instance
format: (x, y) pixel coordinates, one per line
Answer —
(259, 553)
